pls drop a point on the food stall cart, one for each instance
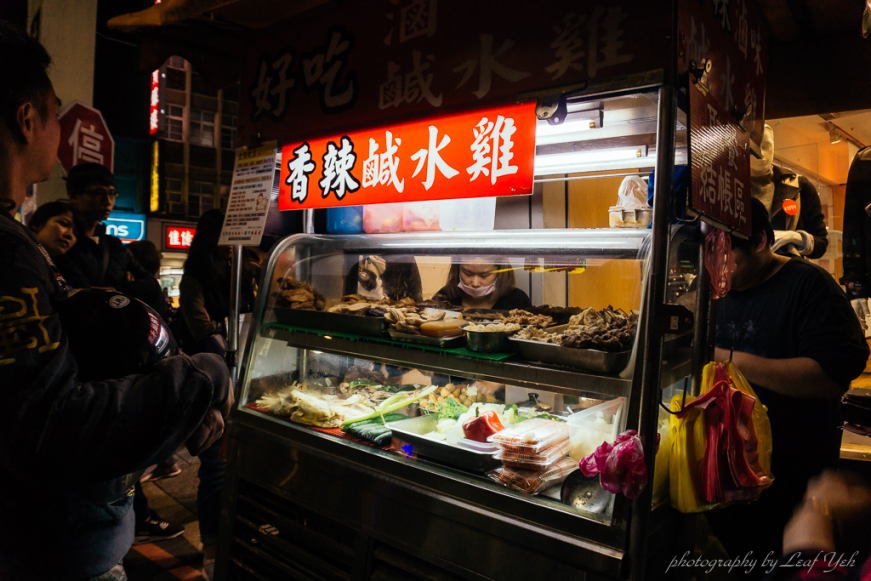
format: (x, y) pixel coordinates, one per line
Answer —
(571, 99)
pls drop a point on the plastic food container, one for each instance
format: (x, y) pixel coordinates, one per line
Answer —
(622, 217)
(347, 220)
(468, 214)
(420, 216)
(382, 218)
(531, 436)
(534, 481)
(592, 426)
(540, 461)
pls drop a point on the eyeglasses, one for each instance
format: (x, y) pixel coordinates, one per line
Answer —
(111, 193)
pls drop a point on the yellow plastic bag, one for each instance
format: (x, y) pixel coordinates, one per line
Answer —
(688, 439)
(688, 442)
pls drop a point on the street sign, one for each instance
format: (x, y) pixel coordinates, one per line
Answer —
(178, 237)
(128, 226)
(84, 137)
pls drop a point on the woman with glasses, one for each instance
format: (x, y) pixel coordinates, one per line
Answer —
(98, 259)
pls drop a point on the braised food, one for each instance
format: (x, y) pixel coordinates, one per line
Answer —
(298, 294)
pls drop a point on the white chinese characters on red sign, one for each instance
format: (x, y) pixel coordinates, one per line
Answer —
(84, 137)
(154, 104)
(720, 159)
(179, 238)
(481, 154)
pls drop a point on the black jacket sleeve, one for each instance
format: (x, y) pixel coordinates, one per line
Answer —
(813, 221)
(53, 426)
(857, 227)
(72, 270)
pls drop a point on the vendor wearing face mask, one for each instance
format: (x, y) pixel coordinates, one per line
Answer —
(482, 283)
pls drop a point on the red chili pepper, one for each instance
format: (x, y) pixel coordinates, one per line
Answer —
(482, 426)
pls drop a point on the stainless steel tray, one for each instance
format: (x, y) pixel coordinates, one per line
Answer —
(335, 322)
(488, 342)
(587, 359)
(448, 342)
(412, 431)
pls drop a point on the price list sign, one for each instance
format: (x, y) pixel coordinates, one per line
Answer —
(249, 196)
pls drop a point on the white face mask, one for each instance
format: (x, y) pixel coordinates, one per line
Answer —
(477, 292)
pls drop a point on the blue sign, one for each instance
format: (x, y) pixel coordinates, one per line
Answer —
(126, 225)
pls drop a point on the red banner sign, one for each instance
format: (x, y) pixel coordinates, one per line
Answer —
(733, 36)
(720, 158)
(154, 103)
(178, 238)
(363, 63)
(84, 137)
(472, 155)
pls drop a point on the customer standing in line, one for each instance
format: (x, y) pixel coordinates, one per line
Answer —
(56, 227)
(68, 447)
(99, 259)
(204, 305)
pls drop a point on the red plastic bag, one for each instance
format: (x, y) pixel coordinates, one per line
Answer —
(620, 466)
(731, 470)
(719, 261)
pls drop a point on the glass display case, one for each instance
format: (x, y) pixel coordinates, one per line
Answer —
(367, 367)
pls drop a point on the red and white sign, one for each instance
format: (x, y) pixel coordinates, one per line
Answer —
(472, 155)
(178, 237)
(84, 137)
(790, 207)
(154, 103)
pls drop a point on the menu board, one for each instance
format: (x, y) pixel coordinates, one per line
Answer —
(249, 196)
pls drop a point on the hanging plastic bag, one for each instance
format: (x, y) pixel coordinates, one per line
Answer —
(721, 443)
(620, 466)
(688, 439)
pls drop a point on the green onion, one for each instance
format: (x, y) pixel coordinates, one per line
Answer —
(392, 407)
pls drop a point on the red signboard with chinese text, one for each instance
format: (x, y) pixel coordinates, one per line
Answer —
(154, 103)
(364, 63)
(84, 137)
(720, 158)
(471, 155)
(733, 36)
(178, 237)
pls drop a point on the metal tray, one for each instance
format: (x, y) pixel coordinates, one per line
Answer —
(335, 322)
(447, 342)
(488, 342)
(587, 359)
(412, 431)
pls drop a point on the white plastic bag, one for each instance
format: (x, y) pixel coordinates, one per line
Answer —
(632, 193)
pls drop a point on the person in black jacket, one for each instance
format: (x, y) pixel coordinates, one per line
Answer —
(67, 447)
(801, 231)
(98, 259)
(857, 234)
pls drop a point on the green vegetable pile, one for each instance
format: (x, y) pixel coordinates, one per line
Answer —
(374, 429)
(450, 409)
